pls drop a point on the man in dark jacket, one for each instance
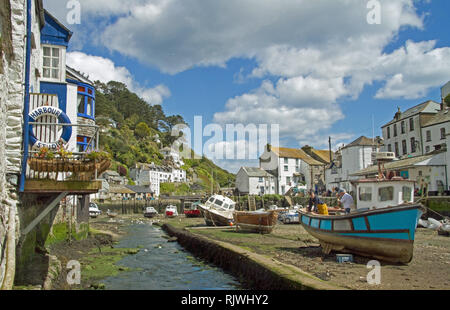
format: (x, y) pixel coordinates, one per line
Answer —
(313, 202)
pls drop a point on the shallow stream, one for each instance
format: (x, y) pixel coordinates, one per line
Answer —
(163, 265)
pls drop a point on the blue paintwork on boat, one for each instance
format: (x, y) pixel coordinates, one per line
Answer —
(395, 220)
(315, 223)
(397, 223)
(325, 224)
(393, 236)
(359, 223)
(305, 220)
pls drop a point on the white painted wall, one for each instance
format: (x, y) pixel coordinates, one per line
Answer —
(407, 136)
(72, 93)
(447, 158)
(435, 135)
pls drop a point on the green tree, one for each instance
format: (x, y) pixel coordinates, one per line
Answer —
(142, 130)
(447, 100)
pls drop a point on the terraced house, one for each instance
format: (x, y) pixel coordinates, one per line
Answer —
(292, 168)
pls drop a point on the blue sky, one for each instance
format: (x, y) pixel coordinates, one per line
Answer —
(315, 67)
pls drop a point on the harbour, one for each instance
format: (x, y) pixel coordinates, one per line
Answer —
(107, 182)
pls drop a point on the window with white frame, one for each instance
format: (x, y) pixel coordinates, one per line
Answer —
(51, 68)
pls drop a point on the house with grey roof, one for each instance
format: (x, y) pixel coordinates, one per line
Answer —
(351, 158)
(403, 134)
(435, 130)
(429, 171)
(255, 181)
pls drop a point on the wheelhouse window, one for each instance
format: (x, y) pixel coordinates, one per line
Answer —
(407, 193)
(86, 101)
(365, 194)
(386, 193)
(51, 63)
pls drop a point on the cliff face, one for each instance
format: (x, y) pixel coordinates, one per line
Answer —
(12, 62)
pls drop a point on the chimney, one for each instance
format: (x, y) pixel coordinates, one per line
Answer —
(307, 149)
(398, 114)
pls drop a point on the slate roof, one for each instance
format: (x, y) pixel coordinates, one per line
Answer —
(256, 172)
(412, 111)
(362, 141)
(296, 153)
(140, 189)
(439, 118)
(395, 165)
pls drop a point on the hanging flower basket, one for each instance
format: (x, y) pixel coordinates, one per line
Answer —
(68, 165)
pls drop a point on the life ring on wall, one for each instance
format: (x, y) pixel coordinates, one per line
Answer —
(62, 118)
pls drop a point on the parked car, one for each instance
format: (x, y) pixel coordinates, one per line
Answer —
(289, 217)
(171, 211)
(150, 212)
(94, 211)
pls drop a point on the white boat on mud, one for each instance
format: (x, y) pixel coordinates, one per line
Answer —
(218, 211)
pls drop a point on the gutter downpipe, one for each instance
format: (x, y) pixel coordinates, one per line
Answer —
(26, 107)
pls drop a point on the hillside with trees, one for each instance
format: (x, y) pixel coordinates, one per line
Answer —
(133, 131)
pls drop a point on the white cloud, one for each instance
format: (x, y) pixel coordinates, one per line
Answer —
(317, 52)
(104, 70)
(412, 70)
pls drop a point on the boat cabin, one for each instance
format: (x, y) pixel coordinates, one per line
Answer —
(377, 194)
(220, 203)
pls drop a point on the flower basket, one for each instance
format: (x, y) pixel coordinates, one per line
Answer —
(67, 165)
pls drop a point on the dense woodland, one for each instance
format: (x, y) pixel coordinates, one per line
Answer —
(135, 131)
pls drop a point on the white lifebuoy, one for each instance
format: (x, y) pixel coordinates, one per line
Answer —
(62, 118)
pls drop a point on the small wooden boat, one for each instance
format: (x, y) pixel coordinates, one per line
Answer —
(171, 211)
(150, 212)
(218, 211)
(256, 221)
(111, 214)
(383, 225)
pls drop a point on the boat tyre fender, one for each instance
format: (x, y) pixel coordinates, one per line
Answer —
(62, 118)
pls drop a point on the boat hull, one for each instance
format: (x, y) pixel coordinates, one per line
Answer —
(216, 218)
(386, 234)
(150, 215)
(259, 222)
(192, 213)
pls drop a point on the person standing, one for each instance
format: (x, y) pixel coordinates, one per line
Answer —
(346, 201)
(316, 205)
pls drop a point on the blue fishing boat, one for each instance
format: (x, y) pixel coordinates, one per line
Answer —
(382, 226)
